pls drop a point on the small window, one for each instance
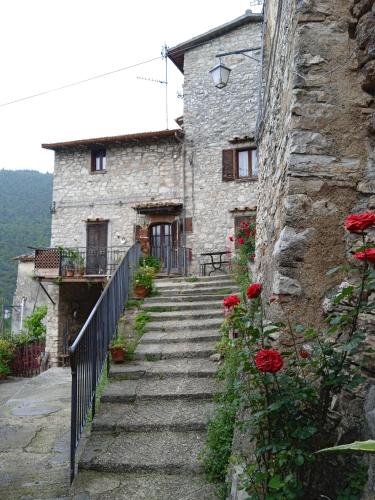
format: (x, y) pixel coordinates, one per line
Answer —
(239, 164)
(246, 161)
(98, 160)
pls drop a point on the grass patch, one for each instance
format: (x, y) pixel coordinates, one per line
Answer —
(140, 323)
(133, 303)
(193, 279)
(152, 357)
(103, 381)
(158, 309)
(222, 291)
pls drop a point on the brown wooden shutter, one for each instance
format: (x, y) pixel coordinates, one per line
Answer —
(137, 230)
(228, 165)
(189, 224)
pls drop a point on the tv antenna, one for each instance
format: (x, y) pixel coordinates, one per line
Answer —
(164, 55)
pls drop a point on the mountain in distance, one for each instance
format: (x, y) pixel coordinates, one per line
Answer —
(25, 220)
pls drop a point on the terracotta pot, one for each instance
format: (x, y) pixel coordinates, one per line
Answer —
(140, 291)
(117, 354)
(69, 272)
(3, 376)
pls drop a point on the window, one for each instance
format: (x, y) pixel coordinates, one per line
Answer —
(98, 160)
(239, 164)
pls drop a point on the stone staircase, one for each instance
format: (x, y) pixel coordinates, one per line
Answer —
(151, 426)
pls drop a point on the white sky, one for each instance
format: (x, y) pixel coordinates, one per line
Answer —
(50, 43)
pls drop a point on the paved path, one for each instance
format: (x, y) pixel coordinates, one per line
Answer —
(151, 426)
(34, 436)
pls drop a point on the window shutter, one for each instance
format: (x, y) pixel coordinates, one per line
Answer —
(189, 224)
(137, 232)
(228, 165)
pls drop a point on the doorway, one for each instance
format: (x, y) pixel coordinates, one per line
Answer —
(164, 245)
(96, 247)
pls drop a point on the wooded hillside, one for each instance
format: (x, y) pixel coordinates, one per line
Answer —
(25, 220)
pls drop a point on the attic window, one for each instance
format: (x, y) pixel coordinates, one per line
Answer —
(98, 160)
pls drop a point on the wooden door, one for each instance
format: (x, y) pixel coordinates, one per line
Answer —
(96, 251)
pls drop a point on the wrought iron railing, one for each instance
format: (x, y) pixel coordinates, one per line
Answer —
(77, 261)
(174, 259)
(89, 352)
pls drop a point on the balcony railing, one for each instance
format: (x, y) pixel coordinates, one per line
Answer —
(77, 261)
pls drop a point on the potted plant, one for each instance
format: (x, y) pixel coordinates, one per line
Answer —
(118, 350)
(79, 265)
(143, 281)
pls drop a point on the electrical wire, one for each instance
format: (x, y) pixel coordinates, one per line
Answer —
(79, 82)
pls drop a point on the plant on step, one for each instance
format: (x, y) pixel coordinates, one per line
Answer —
(151, 261)
(283, 381)
(118, 348)
(141, 321)
(143, 280)
(192, 279)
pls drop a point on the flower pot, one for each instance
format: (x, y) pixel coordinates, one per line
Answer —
(3, 376)
(69, 272)
(117, 354)
(140, 291)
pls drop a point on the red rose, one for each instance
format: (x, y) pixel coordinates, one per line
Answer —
(268, 361)
(240, 240)
(368, 254)
(230, 238)
(360, 222)
(244, 225)
(231, 301)
(248, 232)
(253, 291)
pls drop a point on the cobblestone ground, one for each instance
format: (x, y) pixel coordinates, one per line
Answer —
(34, 436)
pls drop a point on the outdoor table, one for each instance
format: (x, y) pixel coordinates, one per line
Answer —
(215, 264)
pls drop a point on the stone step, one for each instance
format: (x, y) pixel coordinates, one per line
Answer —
(203, 279)
(167, 306)
(191, 388)
(154, 352)
(193, 286)
(186, 315)
(164, 368)
(152, 486)
(180, 336)
(222, 291)
(167, 451)
(184, 299)
(173, 415)
(185, 324)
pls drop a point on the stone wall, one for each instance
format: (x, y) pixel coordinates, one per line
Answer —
(314, 151)
(27, 291)
(212, 117)
(134, 174)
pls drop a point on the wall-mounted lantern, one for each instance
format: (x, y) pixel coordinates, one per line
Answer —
(220, 73)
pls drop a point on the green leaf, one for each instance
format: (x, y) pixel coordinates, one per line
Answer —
(276, 482)
(365, 446)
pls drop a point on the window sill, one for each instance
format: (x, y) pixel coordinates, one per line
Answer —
(247, 179)
(95, 172)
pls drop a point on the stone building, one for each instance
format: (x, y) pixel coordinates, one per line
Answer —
(180, 192)
(316, 165)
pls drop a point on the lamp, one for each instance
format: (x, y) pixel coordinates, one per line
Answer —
(220, 75)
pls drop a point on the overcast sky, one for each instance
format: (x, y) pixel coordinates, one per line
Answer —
(50, 43)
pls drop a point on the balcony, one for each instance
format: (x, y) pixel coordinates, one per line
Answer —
(74, 264)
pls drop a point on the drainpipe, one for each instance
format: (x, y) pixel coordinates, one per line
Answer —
(182, 142)
(22, 312)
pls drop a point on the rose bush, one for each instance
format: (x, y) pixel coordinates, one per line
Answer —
(253, 291)
(287, 390)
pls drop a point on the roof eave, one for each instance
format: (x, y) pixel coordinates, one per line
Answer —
(176, 53)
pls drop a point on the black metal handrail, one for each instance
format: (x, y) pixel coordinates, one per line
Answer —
(89, 351)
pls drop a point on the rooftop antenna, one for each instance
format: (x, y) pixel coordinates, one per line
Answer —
(164, 53)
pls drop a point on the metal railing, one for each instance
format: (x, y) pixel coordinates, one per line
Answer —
(174, 259)
(78, 261)
(89, 352)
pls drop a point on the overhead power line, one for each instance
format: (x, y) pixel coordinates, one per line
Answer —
(79, 82)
